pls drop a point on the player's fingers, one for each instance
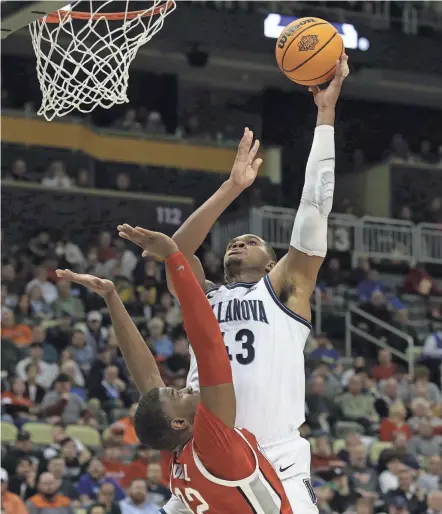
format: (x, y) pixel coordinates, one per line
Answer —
(256, 164)
(144, 232)
(254, 151)
(244, 144)
(314, 90)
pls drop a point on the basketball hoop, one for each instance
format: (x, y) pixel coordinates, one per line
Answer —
(83, 58)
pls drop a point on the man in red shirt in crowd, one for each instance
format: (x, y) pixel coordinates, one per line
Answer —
(386, 368)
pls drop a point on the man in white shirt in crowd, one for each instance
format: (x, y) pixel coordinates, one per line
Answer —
(138, 501)
(48, 290)
(46, 372)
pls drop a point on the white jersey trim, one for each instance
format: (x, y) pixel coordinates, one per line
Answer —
(228, 483)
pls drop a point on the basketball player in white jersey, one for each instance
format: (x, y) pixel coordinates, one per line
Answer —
(264, 307)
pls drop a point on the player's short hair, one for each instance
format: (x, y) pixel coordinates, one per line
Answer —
(271, 252)
(152, 425)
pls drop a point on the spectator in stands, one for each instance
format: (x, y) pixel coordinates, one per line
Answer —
(422, 413)
(96, 508)
(40, 247)
(46, 372)
(40, 336)
(161, 342)
(363, 479)
(407, 490)
(69, 253)
(434, 212)
(33, 390)
(406, 214)
(129, 121)
(23, 311)
(15, 403)
(332, 384)
(385, 369)
(419, 282)
(10, 356)
(48, 500)
(155, 124)
(91, 482)
(61, 404)
(425, 154)
(358, 406)
(432, 354)
(127, 424)
(84, 178)
(59, 436)
(72, 460)
(395, 423)
(359, 363)
(138, 468)
(96, 334)
(389, 478)
(157, 490)
(213, 267)
(67, 304)
(70, 368)
(57, 467)
(431, 478)
(106, 497)
(41, 310)
(11, 503)
(20, 335)
(105, 250)
(360, 273)
(13, 283)
(56, 176)
(423, 388)
(112, 391)
(400, 450)
(389, 396)
(332, 275)
(322, 410)
(434, 503)
(48, 290)
(123, 182)
(138, 500)
(423, 444)
(19, 171)
(172, 313)
(324, 351)
(323, 458)
(113, 466)
(83, 353)
(23, 481)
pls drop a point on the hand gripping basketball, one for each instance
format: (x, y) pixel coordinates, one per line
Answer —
(328, 97)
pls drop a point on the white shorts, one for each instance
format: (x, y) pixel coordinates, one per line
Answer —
(291, 459)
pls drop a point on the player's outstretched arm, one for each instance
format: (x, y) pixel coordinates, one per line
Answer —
(136, 354)
(297, 272)
(192, 233)
(215, 374)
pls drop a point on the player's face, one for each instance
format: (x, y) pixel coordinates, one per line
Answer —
(246, 252)
(182, 404)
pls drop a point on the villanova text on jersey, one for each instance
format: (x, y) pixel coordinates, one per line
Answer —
(240, 310)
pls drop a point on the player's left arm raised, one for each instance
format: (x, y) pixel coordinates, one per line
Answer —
(294, 277)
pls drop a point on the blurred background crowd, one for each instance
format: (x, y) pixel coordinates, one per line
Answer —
(373, 361)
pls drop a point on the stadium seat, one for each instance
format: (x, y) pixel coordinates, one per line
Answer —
(8, 432)
(87, 435)
(41, 433)
(338, 445)
(376, 449)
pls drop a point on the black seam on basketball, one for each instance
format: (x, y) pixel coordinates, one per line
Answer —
(294, 39)
(311, 57)
(327, 72)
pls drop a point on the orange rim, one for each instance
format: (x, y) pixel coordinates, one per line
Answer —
(60, 15)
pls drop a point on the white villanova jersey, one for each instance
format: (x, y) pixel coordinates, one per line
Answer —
(265, 341)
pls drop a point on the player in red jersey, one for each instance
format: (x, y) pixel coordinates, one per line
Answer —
(215, 467)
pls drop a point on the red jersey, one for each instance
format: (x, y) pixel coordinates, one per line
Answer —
(241, 480)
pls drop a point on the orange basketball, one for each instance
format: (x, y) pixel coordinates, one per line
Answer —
(307, 51)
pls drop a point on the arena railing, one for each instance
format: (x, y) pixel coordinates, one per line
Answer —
(378, 238)
(352, 329)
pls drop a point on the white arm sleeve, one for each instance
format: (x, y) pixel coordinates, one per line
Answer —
(310, 228)
(193, 380)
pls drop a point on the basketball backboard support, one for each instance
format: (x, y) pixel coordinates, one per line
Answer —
(15, 15)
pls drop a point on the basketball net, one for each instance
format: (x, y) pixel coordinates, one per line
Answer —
(83, 58)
